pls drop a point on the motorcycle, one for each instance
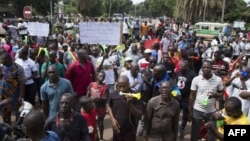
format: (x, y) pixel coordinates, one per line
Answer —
(16, 133)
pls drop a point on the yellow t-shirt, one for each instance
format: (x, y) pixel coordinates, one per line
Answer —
(242, 120)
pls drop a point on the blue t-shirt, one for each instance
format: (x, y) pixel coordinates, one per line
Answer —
(53, 93)
(51, 136)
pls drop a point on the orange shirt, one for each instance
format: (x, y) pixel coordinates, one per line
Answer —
(144, 29)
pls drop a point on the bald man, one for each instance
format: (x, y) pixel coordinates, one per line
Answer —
(124, 111)
(134, 76)
(34, 127)
(163, 115)
(159, 75)
(81, 73)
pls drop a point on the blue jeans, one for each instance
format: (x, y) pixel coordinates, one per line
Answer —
(111, 89)
(184, 108)
(197, 119)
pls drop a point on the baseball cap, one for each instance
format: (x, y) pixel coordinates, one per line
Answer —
(20, 19)
(128, 59)
(65, 44)
(148, 51)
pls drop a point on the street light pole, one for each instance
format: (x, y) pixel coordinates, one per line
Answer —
(223, 10)
(135, 10)
(51, 14)
(204, 12)
(110, 4)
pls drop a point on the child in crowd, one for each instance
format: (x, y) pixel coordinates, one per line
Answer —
(89, 113)
(98, 91)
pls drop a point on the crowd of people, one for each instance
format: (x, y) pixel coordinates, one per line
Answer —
(76, 85)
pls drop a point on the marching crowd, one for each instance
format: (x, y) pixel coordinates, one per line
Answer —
(142, 88)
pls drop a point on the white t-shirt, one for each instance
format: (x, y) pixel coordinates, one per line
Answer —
(29, 66)
(132, 80)
(165, 43)
(236, 48)
(108, 68)
(69, 25)
(143, 63)
(237, 85)
(125, 29)
(25, 31)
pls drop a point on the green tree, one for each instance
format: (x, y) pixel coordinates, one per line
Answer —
(161, 7)
(90, 7)
(193, 10)
(236, 10)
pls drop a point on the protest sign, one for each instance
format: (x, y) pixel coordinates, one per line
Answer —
(100, 33)
(38, 29)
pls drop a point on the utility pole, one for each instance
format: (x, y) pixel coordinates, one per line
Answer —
(110, 4)
(204, 12)
(223, 10)
(51, 14)
(135, 10)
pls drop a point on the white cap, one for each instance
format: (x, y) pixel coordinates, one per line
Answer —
(128, 59)
(65, 44)
(228, 60)
(148, 51)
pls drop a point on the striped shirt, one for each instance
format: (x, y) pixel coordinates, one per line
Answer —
(203, 86)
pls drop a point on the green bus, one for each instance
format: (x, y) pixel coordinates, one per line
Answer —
(210, 29)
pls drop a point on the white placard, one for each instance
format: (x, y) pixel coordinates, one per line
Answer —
(38, 29)
(100, 33)
(239, 24)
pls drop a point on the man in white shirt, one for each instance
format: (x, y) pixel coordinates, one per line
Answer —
(125, 28)
(247, 50)
(165, 42)
(202, 99)
(30, 71)
(22, 28)
(144, 62)
(135, 78)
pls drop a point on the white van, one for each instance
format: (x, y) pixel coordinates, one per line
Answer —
(211, 29)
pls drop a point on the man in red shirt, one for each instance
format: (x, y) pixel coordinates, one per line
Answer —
(81, 73)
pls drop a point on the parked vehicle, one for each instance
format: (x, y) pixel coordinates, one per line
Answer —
(211, 29)
(117, 16)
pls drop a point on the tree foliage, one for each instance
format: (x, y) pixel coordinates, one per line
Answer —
(186, 10)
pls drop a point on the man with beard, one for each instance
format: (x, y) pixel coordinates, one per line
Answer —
(163, 115)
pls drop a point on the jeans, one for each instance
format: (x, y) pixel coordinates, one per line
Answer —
(184, 107)
(111, 89)
(197, 119)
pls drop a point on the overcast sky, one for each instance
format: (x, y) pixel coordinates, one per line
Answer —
(137, 1)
